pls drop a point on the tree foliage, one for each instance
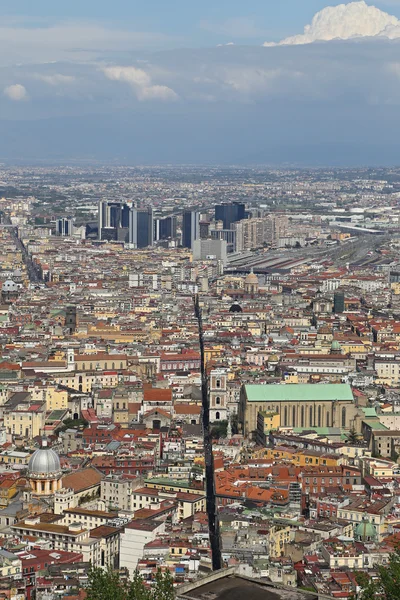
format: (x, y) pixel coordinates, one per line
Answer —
(386, 585)
(73, 424)
(352, 436)
(108, 585)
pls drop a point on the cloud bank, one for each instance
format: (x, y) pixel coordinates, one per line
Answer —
(345, 22)
(141, 83)
(56, 79)
(66, 41)
(318, 103)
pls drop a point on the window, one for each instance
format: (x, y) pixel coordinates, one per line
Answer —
(319, 415)
(294, 416)
(344, 416)
(302, 416)
(285, 420)
(218, 383)
(217, 416)
(217, 400)
(311, 417)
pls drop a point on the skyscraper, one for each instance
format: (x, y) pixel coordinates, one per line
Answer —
(165, 228)
(141, 227)
(190, 228)
(113, 220)
(65, 226)
(230, 213)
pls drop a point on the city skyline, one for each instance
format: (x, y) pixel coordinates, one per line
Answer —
(200, 370)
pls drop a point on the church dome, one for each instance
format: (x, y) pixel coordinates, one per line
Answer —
(236, 308)
(17, 273)
(44, 464)
(365, 531)
(251, 278)
(9, 286)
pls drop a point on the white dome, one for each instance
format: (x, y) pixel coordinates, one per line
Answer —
(17, 273)
(9, 286)
(44, 464)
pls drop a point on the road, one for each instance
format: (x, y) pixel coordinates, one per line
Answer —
(33, 271)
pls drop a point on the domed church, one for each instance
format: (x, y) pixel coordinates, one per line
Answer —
(44, 471)
(251, 283)
(9, 291)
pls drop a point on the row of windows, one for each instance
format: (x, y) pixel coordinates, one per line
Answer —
(315, 420)
(29, 417)
(168, 366)
(121, 366)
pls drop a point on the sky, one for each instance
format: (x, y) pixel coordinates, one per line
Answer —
(302, 82)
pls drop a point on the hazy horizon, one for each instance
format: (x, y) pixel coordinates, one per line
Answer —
(311, 85)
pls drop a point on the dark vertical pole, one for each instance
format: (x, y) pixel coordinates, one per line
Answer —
(212, 508)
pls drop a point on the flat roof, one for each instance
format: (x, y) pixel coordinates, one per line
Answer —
(298, 392)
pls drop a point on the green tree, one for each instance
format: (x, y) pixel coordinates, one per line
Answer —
(387, 583)
(352, 436)
(137, 590)
(108, 585)
(105, 585)
(163, 588)
(219, 429)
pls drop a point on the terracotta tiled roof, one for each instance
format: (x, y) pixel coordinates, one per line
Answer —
(156, 394)
(82, 480)
(187, 409)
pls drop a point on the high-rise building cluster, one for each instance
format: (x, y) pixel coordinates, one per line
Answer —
(139, 227)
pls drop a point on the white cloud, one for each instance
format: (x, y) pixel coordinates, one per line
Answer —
(56, 79)
(16, 92)
(346, 21)
(254, 81)
(141, 83)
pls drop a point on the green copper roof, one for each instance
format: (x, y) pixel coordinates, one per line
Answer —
(365, 530)
(369, 412)
(298, 392)
(335, 431)
(376, 425)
